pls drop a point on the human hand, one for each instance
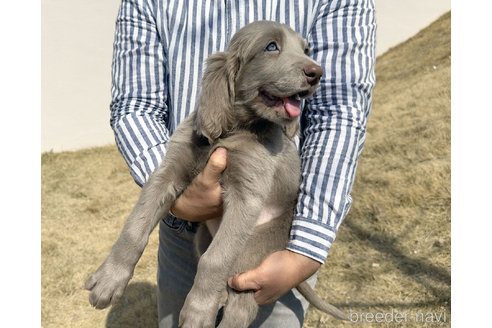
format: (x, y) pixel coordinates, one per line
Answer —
(202, 199)
(277, 274)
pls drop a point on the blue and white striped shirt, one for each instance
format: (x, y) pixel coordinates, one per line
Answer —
(159, 50)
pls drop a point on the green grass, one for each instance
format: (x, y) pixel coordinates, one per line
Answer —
(392, 253)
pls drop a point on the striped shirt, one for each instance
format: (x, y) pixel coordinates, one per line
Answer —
(159, 51)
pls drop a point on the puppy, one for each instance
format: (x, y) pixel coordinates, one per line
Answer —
(249, 104)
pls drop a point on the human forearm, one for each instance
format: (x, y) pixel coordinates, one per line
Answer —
(334, 123)
(139, 92)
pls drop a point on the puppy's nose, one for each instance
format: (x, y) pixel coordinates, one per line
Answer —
(313, 73)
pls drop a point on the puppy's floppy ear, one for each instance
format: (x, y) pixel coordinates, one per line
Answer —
(292, 129)
(215, 107)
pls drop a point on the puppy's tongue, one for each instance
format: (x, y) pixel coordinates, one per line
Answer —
(292, 106)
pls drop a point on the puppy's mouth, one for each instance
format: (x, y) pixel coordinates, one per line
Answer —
(290, 105)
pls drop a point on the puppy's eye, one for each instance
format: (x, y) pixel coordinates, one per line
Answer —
(272, 46)
(307, 51)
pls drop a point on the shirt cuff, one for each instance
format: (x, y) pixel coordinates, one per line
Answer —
(146, 162)
(310, 239)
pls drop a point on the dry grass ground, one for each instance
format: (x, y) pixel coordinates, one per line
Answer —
(392, 254)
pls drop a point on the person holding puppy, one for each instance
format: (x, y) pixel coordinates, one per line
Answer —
(159, 52)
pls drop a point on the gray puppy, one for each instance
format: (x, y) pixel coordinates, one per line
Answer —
(249, 104)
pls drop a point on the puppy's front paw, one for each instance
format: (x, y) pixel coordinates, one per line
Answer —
(107, 285)
(198, 313)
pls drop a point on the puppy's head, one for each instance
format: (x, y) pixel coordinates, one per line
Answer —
(263, 75)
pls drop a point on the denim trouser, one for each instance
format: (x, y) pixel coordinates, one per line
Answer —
(177, 268)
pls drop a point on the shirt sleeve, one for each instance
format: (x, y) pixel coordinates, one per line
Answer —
(139, 109)
(333, 123)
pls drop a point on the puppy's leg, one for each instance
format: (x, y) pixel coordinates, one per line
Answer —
(108, 283)
(240, 310)
(202, 240)
(244, 197)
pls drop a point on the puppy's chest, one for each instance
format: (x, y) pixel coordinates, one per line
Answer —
(283, 185)
(271, 212)
(283, 194)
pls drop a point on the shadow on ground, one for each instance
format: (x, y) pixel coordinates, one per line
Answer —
(138, 308)
(421, 271)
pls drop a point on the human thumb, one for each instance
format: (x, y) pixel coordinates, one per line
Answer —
(215, 165)
(244, 281)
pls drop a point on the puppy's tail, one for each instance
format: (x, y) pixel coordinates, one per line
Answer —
(318, 303)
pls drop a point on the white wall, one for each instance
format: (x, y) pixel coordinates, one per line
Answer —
(400, 19)
(77, 45)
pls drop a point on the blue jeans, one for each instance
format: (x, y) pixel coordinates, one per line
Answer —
(176, 273)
